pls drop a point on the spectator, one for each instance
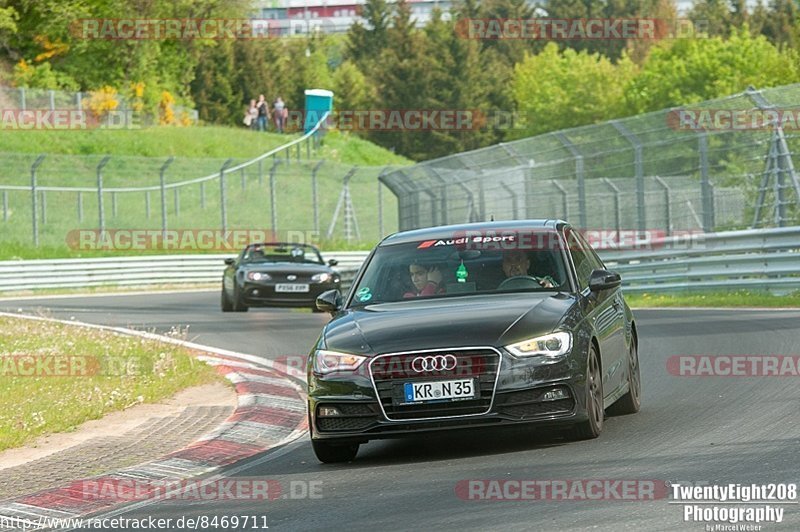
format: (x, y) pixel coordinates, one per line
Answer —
(263, 112)
(280, 113)
(251, 116)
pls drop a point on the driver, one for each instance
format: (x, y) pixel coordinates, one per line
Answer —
(516, 263)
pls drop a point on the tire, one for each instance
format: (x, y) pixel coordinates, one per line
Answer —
(330, 453)
(592, 427)
(238, 305)
(225, 302)
(631, 402)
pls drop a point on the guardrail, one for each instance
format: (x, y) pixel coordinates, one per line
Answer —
(135, 271)
(754, 259)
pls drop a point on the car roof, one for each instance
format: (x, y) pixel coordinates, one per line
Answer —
(449, 231)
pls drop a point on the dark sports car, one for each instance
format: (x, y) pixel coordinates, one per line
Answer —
(276, 274)
(473, 325)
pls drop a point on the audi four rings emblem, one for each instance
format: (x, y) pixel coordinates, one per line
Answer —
(434, 363)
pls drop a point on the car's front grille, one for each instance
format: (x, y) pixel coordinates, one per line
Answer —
(390, 372)
(528, 404)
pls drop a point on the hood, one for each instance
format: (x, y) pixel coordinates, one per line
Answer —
(496, 320)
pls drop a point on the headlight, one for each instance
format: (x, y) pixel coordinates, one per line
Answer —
(321, 278)
(258, 276)
(329, 361)
(551, 345)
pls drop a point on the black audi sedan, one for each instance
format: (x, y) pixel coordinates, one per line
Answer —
(481, 324)
(276, 274)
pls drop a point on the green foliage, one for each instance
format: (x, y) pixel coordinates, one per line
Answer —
(554, 89)
(41, 76)
(692, 70)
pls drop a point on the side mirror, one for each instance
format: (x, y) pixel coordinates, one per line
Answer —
(604, 280)
(230, 262)
(333, 262)
(329, 301)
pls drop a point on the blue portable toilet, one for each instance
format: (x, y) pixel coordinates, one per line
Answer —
(318, 102)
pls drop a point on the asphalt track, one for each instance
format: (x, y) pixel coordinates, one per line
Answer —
(706, 430)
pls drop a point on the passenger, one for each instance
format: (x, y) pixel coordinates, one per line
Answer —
(516, 263)
(426, 280)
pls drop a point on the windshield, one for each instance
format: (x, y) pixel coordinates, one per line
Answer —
(418, 270)
(296, 253)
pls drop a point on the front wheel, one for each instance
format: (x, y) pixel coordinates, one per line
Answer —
(631, 402)
(238, 304)
(225, 303)
(331, 453)
(592, 427)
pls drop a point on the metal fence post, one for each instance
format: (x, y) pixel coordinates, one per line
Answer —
(5, 205)
(272, 198)
(163, 185)
(34, 199)
(564, 198)
(222, 206)
(177, 201)
(617, 214)
(667, 206)
(706, 189)
(314, 202)
(113, 204)
(52, 99)
(260, 172)
(22, 102)
(638, 168)
(579, 175)
(147, 204)
(244, 179)
(514, 200)
(80, 206)
(100, 210)
(202, 194)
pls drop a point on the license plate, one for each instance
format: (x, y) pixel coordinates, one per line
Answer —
(415, 392)
(291, 287)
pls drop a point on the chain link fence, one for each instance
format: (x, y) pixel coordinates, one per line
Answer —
(46, 199)
(711, 166)
(27, 99)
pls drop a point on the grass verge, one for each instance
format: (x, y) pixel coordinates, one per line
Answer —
(79, 374)
(741, 298)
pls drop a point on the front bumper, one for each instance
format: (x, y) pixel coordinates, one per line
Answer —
(263, 294)
(517, 398)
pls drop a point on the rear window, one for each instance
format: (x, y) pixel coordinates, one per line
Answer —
(449, 268)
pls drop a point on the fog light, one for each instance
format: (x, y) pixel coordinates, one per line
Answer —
(329, 411)
(255, 292)
(555, 394)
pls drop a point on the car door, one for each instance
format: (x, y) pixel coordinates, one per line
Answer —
(602, 312)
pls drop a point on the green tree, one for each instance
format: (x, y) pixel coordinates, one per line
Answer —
(692, 70)
(559, 89)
